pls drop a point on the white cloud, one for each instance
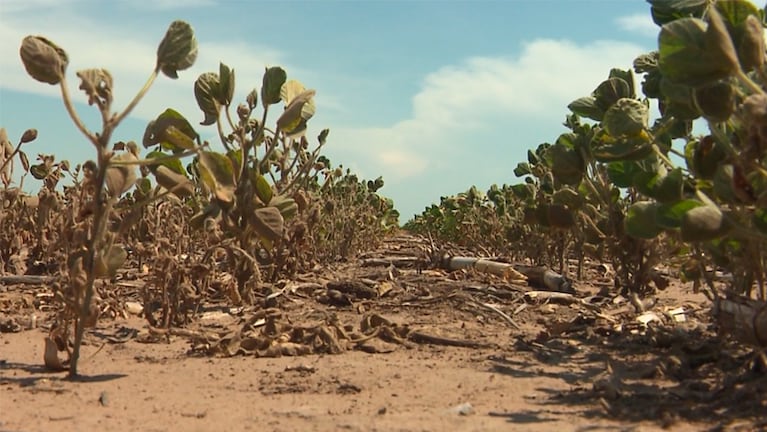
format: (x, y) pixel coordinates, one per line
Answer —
(640, 23)
(461, 108)
(129, 54)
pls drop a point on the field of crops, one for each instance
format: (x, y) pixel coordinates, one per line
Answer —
(251, 282)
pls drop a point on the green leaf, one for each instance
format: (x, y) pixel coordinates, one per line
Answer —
(587, 107)
(286, 205)
(567, 196)
(522, 169)
(523, 191)
(759, 220)
(263, 190)
(694, 53)
(274, 78)
(626, 117)
(703, 223)
(217, 173)
(294, 114)
(640, 220)
(664, 11)
(627, 76)
(567, 164)
(610, 91)
(735, 12)
(206, 87)
(39, 171)
(664, 188)
(172, 131)
(559, 216)
(669, 216)
(177, 50)
(171, 162)
(225, 89)
(610, 149)
(622, 173)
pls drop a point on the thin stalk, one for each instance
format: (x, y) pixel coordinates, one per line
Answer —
(101, 215)
(748, 82)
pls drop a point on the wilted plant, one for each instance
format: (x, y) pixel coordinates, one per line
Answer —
(96, 251)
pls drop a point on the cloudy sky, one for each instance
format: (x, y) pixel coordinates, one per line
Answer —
(435, 96)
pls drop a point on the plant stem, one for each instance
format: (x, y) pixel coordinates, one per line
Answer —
(100, 217)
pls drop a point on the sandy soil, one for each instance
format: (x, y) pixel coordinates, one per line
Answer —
(559, 367)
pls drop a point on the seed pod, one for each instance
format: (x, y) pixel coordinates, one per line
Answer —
(43, 60)
(178, 49)
(29, 135)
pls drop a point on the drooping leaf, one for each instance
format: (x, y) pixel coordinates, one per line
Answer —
(217, 173)
(587, 107)
(274, 78)
(666, 188)
(268, 223)
(610, 91)
(178, 184)
(560, 216)
(120, 178)
(170, 162)
(295, 113)
(569, 197)
(522, 169)
(286, 205)
(225, 90)
(640, 220)
(622, 173)
(177, 50)
(703, 223)
(609, 149)
(97, 85)
(263, 190)
(44, 60)
(669, 216)
(206, 87)
(567, 164)
(626, 117)
(664, 11)
(172, 131)
(523, 191)
(695, 53)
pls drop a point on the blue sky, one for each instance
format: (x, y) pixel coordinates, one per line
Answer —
(435, 96)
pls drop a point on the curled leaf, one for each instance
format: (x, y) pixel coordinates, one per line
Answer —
(176, 183)
(177, 50)
(97, 85)
(120, 178)
(43, 60)
(274, 78)
(205, 89)
(268, 223)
